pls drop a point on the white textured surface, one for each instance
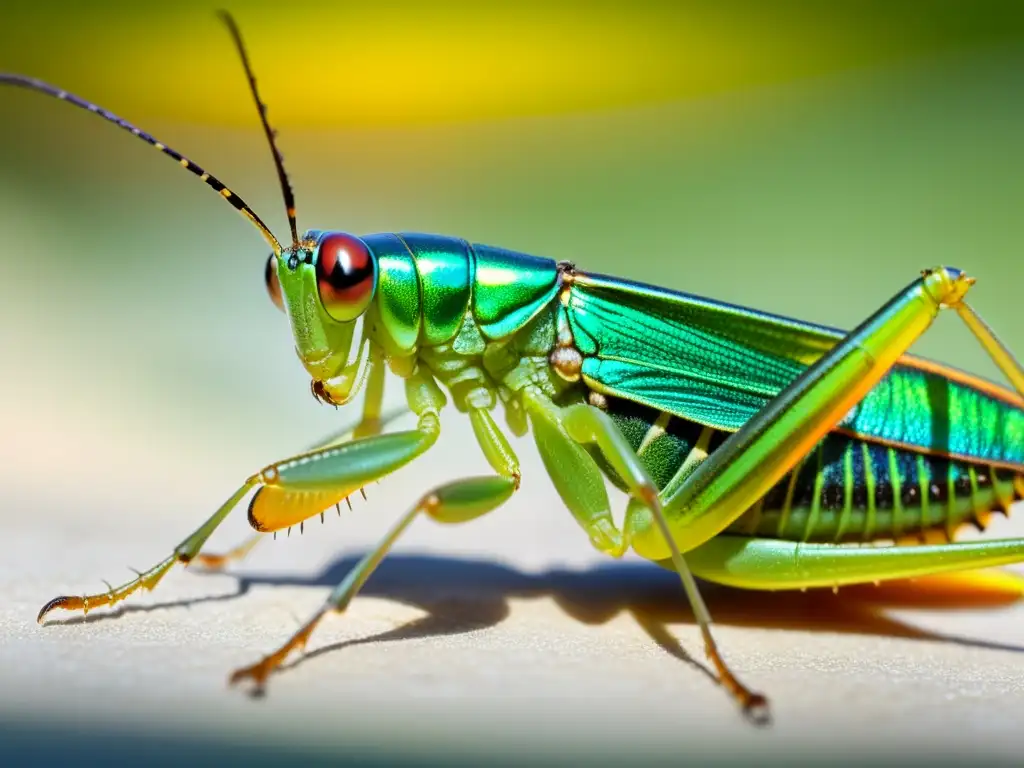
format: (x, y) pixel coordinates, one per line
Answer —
(505, 635)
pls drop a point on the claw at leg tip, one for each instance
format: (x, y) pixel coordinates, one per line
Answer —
(757, 710)
(57, 602)
(256, 673)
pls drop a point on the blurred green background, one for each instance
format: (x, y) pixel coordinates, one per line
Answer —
(804, 158)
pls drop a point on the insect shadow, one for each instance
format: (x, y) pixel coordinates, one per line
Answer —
(464, 595)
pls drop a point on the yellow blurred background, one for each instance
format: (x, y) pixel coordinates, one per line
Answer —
(336, 65)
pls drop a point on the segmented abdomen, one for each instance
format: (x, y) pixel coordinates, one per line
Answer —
(846, 489)
(851, 490)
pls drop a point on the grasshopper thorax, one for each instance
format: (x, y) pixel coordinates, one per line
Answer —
(325, 284)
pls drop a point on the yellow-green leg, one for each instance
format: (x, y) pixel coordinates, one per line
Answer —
(560, 434)
(294, 489)
(372, 423)
(455, 502)
(753, 459)
(758, 455)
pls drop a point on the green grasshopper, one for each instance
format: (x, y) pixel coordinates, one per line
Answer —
(757, 451)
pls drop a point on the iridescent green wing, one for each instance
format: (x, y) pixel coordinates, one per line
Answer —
(718, 364)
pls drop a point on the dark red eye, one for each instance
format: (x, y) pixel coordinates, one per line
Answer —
(273, 286)
(345, 275)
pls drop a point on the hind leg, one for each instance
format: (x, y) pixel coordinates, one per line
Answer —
(560, 433)
(771, 442)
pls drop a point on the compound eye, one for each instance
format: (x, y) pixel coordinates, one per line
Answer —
(273, 285)
(345, 276)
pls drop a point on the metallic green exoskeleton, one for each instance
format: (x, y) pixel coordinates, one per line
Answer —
(756, 450)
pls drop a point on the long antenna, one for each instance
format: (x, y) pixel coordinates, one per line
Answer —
(286, 187)
(210, 180)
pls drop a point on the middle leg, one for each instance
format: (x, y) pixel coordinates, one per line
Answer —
(560, 433)
(455, 502)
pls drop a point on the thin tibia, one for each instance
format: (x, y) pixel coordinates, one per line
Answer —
(261, 670)
(754, 705)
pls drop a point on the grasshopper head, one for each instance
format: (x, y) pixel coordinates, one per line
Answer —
(325, 285)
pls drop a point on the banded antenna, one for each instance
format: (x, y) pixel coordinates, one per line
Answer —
(34, 84)
(271, 134)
